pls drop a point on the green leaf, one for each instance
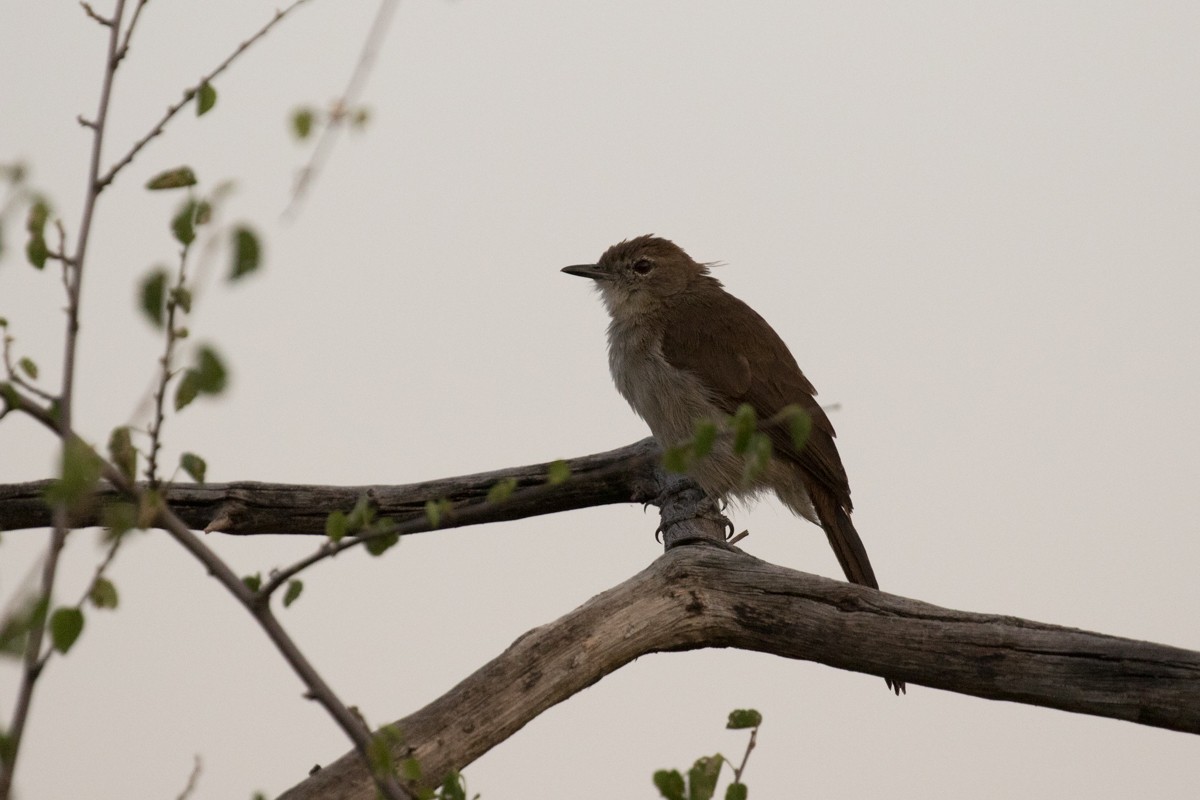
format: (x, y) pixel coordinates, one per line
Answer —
(194, 466)
(292, 593)
(736, 791)
(557, 472)
(253, 582)
(669, 784)
(36, 250)
(172, 179)
(80, 470)
(743, 718)
(704, 438)
(208, 376)
(360, 117)
(65, 626)
(379, 543)
(435, 510)
(28, 366)
(758, 456)
(799, 425)
(186, 391)
(14, 628)
(118, 519)
(181, 296)
(454, 787)
(122, 452)
(677, 459)
(206, 98)
(302, 122)
(151, 296)
(182, 224)
(361, 515)
(336, 525)
(246, 253)
(103, 593)
(744, 423)
(501, 490)
(702, 777)
(410, 769)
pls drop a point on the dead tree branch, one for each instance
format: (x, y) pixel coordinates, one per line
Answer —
(711, 596)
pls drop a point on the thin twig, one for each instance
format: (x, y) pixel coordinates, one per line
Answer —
(194, 778)
(62, 422)
(166, 519)
(189, 93)
(342, 106)
(165, 374)
(133, 21)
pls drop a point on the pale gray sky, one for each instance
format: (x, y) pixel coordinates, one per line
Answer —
(974, 223)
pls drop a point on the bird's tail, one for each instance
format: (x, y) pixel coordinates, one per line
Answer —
(850, 552)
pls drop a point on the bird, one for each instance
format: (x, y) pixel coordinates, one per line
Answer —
(683, 351)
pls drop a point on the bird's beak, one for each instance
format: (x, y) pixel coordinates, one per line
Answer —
(587, 271)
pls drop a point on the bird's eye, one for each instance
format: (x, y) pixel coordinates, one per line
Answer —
(643, 266)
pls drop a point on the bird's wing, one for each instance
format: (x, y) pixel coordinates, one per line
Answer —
(760, 371)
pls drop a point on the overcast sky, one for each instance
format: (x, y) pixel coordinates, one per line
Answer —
(977, 225)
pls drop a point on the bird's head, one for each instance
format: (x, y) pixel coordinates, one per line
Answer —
(640, 275)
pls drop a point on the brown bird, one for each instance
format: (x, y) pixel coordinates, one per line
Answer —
(683, 350)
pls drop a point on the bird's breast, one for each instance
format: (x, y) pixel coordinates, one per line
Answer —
(671, 400)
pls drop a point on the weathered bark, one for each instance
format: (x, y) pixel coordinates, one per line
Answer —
(710, 596)
(627, 474)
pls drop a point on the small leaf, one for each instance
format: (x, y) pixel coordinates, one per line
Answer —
(704, 438)
(15, 626)
(702, 777)
(151, 295)
(501, 490)
(210, 372)
(454, 787)
(743, 718)
(799, 425)
(28, 367)
(194, 466)
(302, 122)
(410, 769)
(118, 519)
(181, 296)
(669, 784)
(206, 98)
(292, 592)
(744, 423)
(183, 225)
(557, 472)
(736, 791)
(122, 452)
(186, 391)
(172, 179)
(65, 626)
(758, 456)
(336, 525)
(80, 470)
(253, 582)
(36, 250)
(435, 510)
(103, 593)
(379, 543)
(361, 515)
(677, 459)
(360, 117)
(246, 253)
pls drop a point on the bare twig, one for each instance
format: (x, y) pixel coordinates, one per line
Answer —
(190, 92)
(194, 778)
(124, 49)
(343, 105)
